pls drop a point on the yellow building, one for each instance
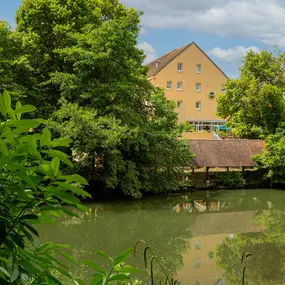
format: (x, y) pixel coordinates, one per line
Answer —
(192, 80)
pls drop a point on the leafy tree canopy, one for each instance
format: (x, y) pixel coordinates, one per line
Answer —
(253, 103)
(85, 74)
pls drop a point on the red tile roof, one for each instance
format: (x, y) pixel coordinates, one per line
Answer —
(225, 153)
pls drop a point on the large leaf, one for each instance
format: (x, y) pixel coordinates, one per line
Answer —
(25, 109)
(64, 196)
(123, 256)
(67, 256)
(61, 155)
(25, 124)
(73, 189)
(74, 178)
(3, 148)
(7, 101)
(55, 165)
(46, 138)
(129, 269)
(103, 254)
(94, 266)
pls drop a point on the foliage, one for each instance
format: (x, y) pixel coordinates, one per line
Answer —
(253, 103)
(33, 190)
(88, 78)
(267, 248)
(273, 157)
(14, 66)
(230, 179)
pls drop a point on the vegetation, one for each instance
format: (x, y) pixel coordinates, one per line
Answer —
(33, 189)
(230, 179)
(272, 158)
(79, 64)
(253, 103)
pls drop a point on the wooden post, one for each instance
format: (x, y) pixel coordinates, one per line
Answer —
(243, 169)
(207, 173)
(228, 169)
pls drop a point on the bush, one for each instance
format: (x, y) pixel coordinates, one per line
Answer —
(230, 179)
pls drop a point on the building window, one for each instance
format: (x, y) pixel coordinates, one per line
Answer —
(179, 67)
(197, 263)
(197, 245)
(179, 85)
(197, 281)
(198, 106)
(179, 104)
(168, 85)
(198, 87)
(223, 88)
(198, 68)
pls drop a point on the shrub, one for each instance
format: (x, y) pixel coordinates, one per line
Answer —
(230, 179)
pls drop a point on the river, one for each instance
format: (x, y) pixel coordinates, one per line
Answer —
(199, 238)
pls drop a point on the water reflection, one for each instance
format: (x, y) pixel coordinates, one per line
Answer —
(198, 237)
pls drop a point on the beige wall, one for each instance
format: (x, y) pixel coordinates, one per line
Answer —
(198, 136)
(211, 79)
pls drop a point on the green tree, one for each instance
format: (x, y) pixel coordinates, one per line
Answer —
(253, 103)
(14, 65)
(273, 157)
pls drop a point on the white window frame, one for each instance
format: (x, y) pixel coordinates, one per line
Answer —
(179, 64)
(181, 85)
(198, 84)
(169, 88)
(179, 102)
(198, 68)
(199, 108)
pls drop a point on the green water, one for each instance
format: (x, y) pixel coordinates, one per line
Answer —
(199, 238)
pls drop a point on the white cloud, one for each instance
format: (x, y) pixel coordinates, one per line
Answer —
(235, 54)
(149, 52)
(259, 19)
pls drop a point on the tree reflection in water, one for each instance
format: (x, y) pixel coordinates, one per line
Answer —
(267, 264)
(114, 229)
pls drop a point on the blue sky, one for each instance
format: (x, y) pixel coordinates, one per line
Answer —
(224, 29)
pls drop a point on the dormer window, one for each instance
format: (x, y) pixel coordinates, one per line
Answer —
(157, 63)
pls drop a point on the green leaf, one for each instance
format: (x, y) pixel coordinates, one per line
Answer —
(24, 124)
(72, 188)
(18, 105)
(47, 169)
(18, 240)
(79, 282)
(123, 256)
(29, 217)
(31, 229)
(53, 280)
(97, 280)
(67, 256)
(129, 269)
(63, 272)
(118, 277)
(3, 161)
(64, 196)
(25, 109)
(3, 148)
(7, 101)
(61, 155)
(94, 266)
(5, 271)
(103, 254)
(70, 213)
(46, 138)
(55, 165)
(74, 178)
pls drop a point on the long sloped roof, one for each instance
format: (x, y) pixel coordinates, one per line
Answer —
(167, 58)
(225, 153)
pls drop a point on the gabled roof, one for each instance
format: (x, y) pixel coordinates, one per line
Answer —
(225, 153)
(167, 58)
